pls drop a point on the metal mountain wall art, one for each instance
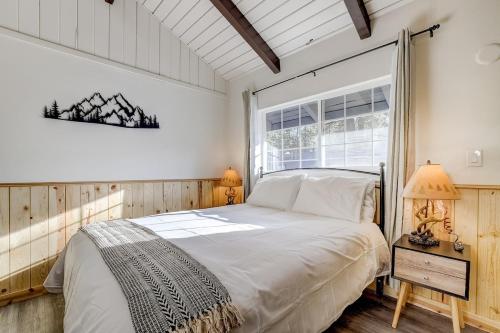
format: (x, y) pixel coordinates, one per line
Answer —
(114, 111)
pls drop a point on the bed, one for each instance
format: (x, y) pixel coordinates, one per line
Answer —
(285, 271)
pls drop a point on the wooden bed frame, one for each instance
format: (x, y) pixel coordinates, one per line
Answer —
(380, 208)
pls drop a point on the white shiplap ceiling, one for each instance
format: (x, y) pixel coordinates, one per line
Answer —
(286, 25)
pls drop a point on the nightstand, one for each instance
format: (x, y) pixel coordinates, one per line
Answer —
(439, 268)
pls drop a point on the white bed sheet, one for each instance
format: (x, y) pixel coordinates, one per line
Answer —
(286, 272)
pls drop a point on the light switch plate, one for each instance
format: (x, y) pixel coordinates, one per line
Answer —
(474, 158)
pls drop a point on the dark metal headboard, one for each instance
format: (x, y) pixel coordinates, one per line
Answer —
(381, 174)
(381, 208)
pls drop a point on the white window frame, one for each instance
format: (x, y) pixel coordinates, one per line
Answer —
(318, 98)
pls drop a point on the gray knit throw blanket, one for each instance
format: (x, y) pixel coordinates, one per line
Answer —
(166, 289)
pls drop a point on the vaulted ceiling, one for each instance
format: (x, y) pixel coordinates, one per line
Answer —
(287, 26)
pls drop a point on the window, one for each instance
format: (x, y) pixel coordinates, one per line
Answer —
(345, 128)
(292, 137)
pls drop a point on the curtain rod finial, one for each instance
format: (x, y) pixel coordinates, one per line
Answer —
(434, 27)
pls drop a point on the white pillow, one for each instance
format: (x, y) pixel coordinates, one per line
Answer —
(369, 203)
(335, 197)
(277, 192)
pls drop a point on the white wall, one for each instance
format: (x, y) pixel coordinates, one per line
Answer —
(125, 32)
(457, 102)
(189, 144)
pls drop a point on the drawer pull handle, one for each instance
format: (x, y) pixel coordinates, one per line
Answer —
(427, 262)
(426, 278)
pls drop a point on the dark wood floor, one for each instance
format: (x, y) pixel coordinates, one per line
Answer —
(370, 315)
(44, 314)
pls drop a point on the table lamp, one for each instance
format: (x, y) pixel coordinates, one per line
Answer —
(230, 179)
(430, 182)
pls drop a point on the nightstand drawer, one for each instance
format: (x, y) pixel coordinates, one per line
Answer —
(443, 282)
(429, 262)
(432, 271)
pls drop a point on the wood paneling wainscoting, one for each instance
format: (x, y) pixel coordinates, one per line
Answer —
(37, 220)
(476, 219)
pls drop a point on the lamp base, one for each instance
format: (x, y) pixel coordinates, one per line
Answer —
(428, 216)
(424, 240)
(231, 194)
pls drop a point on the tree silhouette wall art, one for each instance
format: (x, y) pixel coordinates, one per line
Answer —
(114, 111)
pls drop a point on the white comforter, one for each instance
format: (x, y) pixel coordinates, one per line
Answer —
(286, 272)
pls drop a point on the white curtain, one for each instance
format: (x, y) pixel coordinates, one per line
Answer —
(400, 156)
(252, 161)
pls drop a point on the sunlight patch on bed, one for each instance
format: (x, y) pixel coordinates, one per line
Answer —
(192, 225)
(208, 230)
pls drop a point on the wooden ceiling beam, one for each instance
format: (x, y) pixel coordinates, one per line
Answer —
(229, 10)
(359, 16)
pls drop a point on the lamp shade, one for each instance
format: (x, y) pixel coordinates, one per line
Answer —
(230, 178)
(431, 182)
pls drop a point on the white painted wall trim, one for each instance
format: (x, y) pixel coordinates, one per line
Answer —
(82, 54)
(386, 79)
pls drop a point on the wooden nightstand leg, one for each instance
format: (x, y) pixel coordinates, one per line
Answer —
(401, 300)
(455, 314)
(406, 295)
(461, 314)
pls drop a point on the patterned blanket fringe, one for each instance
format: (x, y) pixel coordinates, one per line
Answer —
(221, 318)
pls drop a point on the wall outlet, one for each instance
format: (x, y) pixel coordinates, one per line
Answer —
(474, 158)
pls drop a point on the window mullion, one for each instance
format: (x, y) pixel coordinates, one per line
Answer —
(282, 142)
(345, 130)
(320, 141)
(263, 132)
(300, 135)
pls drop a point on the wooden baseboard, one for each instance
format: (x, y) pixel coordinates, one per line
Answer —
(443, 309)
(22, 295)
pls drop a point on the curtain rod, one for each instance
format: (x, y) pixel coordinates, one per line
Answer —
(313, 71)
